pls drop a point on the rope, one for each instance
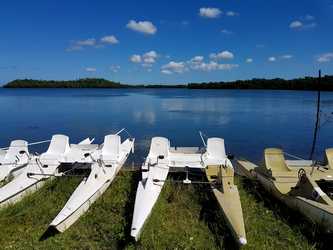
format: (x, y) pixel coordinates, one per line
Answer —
(29, 144)
(294, 156)
(202, 138)
(124, 130)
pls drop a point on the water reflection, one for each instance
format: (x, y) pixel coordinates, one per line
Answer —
(148, 117)
(248, 120)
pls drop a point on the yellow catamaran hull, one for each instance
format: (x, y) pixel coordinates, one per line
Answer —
(297, 187)
(227, 196)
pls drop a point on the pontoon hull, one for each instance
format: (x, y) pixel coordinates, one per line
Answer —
(11, 171)
(313, 211)
(89, 190)
(83, 208)
(147, 195)
(24, 184)
(228, 199)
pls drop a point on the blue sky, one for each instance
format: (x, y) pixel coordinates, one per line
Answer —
(165, 41)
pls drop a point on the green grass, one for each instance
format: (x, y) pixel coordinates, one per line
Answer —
(185, 217)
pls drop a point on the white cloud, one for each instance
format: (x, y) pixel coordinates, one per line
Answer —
(150, 57)
(310, 25)
(87, 42)
(74, 47)
(227, 32)
(197, 63)
(226, 55)
(309, 17)
(145, 27)
(249, 60)
(174, 67)
(109, 39)
(92, 42)
(135, 59)
(232, 13)
(90, 69)
(327, 57)
(166, 72)
(227, 66)
(147, 65)
(147, 59)
(81, 44)
(210, 12)
(287, 56)
(197, 59)
(272, 59)
(114, 68)
(296, 25)
(212, 66)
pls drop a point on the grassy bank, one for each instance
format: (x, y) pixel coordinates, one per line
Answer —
(185, 217)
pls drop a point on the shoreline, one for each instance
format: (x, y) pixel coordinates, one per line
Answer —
(306, 83)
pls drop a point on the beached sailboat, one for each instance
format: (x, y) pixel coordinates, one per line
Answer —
(213, 160)
(106, 163)
(14, 159)
(39, 169)
(302, 185)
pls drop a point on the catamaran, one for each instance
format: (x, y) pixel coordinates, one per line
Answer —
(302, 185)
(13, 159)
(219, 170)
(39, 169)
(106, 162)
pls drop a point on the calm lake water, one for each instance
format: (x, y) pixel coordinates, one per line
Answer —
(248, 120)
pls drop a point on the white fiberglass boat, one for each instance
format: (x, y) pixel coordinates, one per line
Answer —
(14, 159)
(39, 169)
(106, 163)
(219, 171)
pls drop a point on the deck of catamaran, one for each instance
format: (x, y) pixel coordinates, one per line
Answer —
(303, 185)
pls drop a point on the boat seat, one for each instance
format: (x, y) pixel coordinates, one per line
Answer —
(215, 152)
(111, 148)
(2, 154)
(13, 152)
(59, 145)
(329, 157)
(275, 161)
(159, 147)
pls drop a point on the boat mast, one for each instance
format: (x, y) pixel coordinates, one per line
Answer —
(317, 119)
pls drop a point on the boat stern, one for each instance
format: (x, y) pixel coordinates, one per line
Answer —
(242, 241)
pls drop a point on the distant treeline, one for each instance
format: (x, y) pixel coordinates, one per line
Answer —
(81, 83)
(307, 83)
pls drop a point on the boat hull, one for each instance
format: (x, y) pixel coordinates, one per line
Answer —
(11, 171)
(89, 190)
(25, 184)
(315, 212)
(227, 196)
(147, 195)
(83, 208)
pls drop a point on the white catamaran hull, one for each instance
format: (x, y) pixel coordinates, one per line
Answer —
(11, 170)
(24, 184)
(146, 196)
(36, 172)
(89, 190)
